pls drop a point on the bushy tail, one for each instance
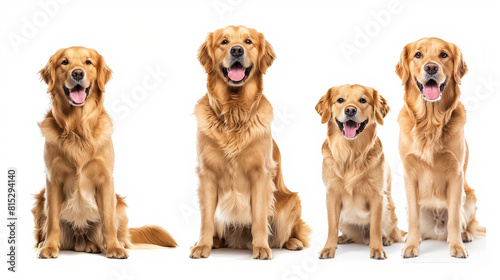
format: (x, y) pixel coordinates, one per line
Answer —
(476, 229)
(151, 235)
(39, 217)
(278, 179)
(303, 233)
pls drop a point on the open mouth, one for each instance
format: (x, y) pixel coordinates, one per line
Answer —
(351, 129)
(431, 91)
(77, 95)
(236, 74)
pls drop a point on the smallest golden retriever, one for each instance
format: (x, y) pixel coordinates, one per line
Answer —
(356, 175)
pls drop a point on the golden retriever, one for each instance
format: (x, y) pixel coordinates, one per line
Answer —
(78, 210)
(432, 146)
(243, 199)
(356, 175)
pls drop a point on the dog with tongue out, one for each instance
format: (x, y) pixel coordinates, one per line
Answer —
(432, 146)
(355, 173)
(78, 209)
(244, 201)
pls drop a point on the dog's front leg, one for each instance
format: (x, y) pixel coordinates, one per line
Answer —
(106, 203)
(261, 196)
(454, 197)
(376, 212)
(207, 193)
(412, 246)
(334, 207)
(50, 248)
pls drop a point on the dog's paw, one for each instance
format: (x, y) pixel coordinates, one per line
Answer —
(262, 253)
(116, 253)
(92, 248)
(294, 244)
(218, 243)
(48, 252)
(387, 241)
(378, 254)
(467, 236)
(200, 251)
(410, 251)
(344, 239)
(327, 253)
(458, 251)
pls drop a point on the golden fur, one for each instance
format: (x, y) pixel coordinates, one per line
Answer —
(433, 149)
(243, 199)
(78, 210)
(356, 175)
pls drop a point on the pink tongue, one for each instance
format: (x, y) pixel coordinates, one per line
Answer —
(431, 92)
(78, 96)
(350, 131)
(236, 74)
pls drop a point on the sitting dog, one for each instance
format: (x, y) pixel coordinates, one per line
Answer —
(356, 175)
(432, 146)
(78, 210)
(243, 199)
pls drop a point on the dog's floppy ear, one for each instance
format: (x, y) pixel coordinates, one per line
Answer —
(103, 73)
(48, 73)
(266, 54)
(380, 107)
(324, 106)
(206, 53)
(403, 67)
(459, 66)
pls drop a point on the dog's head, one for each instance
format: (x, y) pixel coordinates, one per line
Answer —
(353, 108)
(430, 64)
(236, 54)
(74, 73)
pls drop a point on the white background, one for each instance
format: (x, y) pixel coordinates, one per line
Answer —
(155, 130)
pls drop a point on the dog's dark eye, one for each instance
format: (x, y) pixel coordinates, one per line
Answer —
(224, 42)
(88, 62)
(443, 55)
(362, 100)
(340, 100)
(248, 41)
(418, 55)
(65, 62)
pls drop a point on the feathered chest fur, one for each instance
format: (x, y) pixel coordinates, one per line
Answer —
(431, 133)
(355, 166)
(431, 124)
(235, 127)
(77, 144)
(427, 140)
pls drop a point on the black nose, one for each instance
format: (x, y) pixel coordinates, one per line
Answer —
(237, 51)
(431, 68)
(78, 74)
(350, 110)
